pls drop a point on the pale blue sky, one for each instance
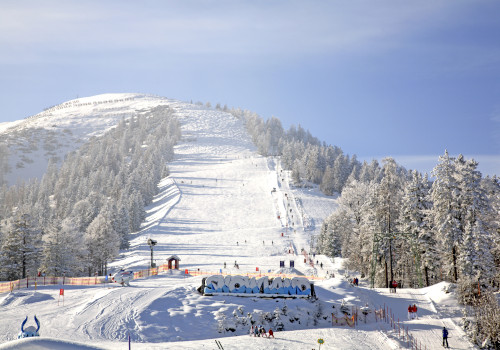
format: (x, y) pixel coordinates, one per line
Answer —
(377, 78)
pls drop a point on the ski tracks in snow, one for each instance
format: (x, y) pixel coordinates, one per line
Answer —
(427, 328)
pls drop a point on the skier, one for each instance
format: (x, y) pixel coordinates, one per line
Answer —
(263, 332)
(270, 333)
(224, 264)
(255, 331)
(410, 310)
(415, 311)
(445, 337)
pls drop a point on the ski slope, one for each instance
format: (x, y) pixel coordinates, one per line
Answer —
(218, 206)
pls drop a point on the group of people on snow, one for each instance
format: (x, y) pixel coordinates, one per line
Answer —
(412, 312)
(354, 281)
(260, 331)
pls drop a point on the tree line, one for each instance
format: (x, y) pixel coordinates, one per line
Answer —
(419, 232)
(76, 218)
(310, 160)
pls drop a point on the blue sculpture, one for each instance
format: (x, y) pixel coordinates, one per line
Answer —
(31, 331)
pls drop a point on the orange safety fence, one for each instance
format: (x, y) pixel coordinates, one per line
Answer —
(344, 320)
(151, 271)
(87, 281)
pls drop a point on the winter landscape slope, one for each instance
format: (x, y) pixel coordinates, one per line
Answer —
(217, 206)
(60, 129)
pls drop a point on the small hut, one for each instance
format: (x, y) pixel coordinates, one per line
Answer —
(173, 262)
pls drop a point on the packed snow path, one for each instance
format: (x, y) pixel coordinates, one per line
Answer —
(219, 207)
(217, 204)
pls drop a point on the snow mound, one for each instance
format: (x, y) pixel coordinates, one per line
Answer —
(39, 343)
(288, 271)
(22, 298)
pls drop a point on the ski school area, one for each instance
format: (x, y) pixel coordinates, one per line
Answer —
(335, 310)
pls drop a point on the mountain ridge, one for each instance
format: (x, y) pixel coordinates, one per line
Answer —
(51, 134)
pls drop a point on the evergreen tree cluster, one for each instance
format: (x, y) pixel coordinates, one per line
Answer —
(309, 159)
(419, 232)
(76, 218)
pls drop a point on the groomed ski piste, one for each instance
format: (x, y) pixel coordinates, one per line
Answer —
(218, 206)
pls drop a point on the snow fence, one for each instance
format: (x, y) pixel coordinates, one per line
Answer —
(34, 282)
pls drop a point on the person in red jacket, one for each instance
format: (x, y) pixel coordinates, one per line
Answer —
(414, 311)
(410, 312)
(270, 333)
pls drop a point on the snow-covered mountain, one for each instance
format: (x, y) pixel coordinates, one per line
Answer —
(223, 208)
(51, 134)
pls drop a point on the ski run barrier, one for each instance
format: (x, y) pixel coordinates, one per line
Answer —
(34, 282)
(245, 286)
(399, 331)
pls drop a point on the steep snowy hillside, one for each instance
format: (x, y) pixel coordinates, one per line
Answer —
(219, 197)
(51, 134)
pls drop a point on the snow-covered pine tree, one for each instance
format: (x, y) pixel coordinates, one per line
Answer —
(123, 227)
(327, 182)
(296, 173)
(21, 246)
(356, 244)
(387, 203)
(83, 213)
(63, 249)
(273, 135)
(102, 242)
(412, 223)
(341, 170)
(491, 186)
(311, 161)
(429, 250)
(136, 211)
(446, 213)
(334, 231)
(475, 258)
(277, 321)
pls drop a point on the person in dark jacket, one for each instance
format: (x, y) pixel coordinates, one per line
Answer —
(445, 337)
